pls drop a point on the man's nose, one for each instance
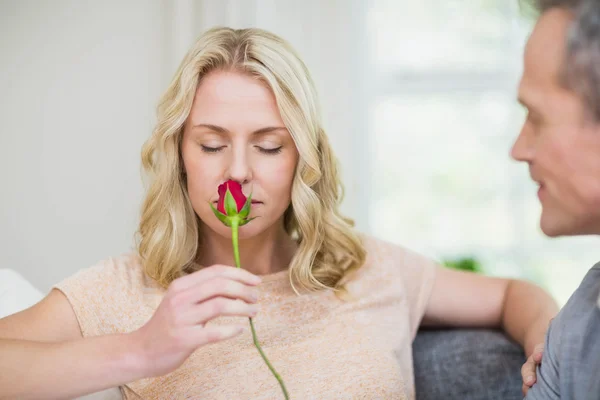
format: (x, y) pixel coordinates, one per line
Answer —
(522, 149)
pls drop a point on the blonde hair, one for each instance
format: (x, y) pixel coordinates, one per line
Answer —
(168, 235)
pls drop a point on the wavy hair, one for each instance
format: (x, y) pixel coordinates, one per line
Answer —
(168, 238)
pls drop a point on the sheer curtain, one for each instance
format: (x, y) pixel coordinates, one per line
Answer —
(442, 121)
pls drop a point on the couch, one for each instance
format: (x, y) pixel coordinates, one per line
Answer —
(449, 364)
(465, 364)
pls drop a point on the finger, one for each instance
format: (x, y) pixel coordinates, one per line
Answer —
(525, 389)
(223, 271)
(528, 372)
(217, 307)
(529, 380)
(221, 287)
(526, 368)
(214, 333)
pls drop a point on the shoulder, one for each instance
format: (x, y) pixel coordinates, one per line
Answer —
(390, 261)
(575, 337)
(392, 254)
(112, 280)
(577, 324)
(590, 286)
(114, 295)
(583, 304)
(583, 310)
(125, 270)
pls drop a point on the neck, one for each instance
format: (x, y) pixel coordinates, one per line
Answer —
(269, 252)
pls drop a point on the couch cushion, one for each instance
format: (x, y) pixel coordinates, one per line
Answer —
(467, 365)
(16, 293)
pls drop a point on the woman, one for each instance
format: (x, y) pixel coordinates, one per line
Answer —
(338, 311)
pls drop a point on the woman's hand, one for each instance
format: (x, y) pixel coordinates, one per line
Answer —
(178, 328)
(528, 371)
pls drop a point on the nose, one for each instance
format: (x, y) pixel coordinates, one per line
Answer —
(523, 149)
(239, 166)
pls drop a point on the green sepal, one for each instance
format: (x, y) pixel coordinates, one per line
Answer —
(222, 217)
(230, 204)
(245, 221)
(245, 211)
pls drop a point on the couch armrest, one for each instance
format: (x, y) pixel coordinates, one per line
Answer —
(16, 293)
(467, 365)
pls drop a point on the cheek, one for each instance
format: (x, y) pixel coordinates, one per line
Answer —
(202, 178)
(572, 168)
(586, 175)
(277, 177)
(554, 160)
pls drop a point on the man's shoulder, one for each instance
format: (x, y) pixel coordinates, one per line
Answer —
(573, 340)
(574, 337)
(585, 299)
(595, 272)
(581, 306)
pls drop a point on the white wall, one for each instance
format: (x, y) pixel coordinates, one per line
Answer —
(79, 81)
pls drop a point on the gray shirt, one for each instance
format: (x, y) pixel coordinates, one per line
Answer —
(570, 368)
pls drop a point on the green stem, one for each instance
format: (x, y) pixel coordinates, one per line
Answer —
(234, 238)
(236, 256)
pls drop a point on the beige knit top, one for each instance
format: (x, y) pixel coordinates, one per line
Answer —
(323, 347)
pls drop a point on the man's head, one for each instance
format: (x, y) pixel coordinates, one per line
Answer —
(560, 139)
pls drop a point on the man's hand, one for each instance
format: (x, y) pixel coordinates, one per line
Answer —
(528, 371)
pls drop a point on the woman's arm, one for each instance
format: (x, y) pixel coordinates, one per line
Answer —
(463, 299)
(43, 354)
(66, 370)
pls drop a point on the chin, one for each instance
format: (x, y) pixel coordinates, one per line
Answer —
(551, 231)
(555, 227)
(551, 225)
(251, 229)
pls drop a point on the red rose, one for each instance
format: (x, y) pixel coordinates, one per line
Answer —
(236, 191)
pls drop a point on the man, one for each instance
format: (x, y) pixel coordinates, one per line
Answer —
(560, 140)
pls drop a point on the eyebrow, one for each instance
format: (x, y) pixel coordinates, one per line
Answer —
(220, 129)
(525, 97)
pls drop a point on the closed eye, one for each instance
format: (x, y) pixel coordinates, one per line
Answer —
(269, 151)
(207, 149)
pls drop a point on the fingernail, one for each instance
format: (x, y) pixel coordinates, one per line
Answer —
(256, 279)
(529, 380)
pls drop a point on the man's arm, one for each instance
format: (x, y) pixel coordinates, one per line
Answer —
(585, 375)
(546, 386)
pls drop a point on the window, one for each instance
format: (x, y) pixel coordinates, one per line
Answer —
(443, 118)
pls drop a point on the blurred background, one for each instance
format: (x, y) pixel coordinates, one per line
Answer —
(418, 98)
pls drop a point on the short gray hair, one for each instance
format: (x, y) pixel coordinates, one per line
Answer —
(582, 63)
(545, 5)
